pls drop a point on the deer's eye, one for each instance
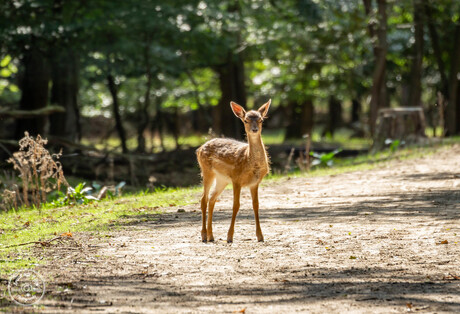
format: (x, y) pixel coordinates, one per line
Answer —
(246, 121)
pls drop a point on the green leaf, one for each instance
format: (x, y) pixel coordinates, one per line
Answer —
(79, 187)
(5, 73)
(13, 88)
(5, 61)
(87, 189)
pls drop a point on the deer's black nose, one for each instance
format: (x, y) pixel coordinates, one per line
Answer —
(254, 130)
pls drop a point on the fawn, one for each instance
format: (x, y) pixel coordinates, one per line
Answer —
(243, 164)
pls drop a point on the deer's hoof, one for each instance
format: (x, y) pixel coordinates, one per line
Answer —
(260, 237)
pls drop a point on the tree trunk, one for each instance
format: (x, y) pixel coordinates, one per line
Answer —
(436, 49)
(453, 106)
(403, 124)
(378, 93)
(142, 126)
(335, 115)
(175, 127)
(231, 83)
(450, 87)
(144, 108)
(158, 123)
(34, 88)
(64, 93)
(458, 107)
(201, 117)
(116, 112)
(355, 110)
(416, 73)
(308, 114)
(300, 117)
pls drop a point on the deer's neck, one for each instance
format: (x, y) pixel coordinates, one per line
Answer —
(257, 151)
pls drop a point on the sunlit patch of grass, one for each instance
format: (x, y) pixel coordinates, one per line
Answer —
(342, 138)
(273, 137)
(429, 131)
(28, 225)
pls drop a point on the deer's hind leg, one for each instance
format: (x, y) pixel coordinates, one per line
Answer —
(208, 180)
(221, 183)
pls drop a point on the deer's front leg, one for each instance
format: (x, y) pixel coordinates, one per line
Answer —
(204, 205)
(236, 207)
(255, 206)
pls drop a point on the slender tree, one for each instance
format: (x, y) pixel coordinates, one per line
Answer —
(453, 107)
(380, 47)
(34, 87)
(417, 63)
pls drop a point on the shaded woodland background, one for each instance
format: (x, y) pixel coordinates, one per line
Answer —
(112, 81)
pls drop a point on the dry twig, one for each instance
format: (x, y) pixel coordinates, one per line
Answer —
(42, 243)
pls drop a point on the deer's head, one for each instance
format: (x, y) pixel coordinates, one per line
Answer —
(253, 118)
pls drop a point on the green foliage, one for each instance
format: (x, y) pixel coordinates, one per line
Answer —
(74, 196)
(393, 144)
(82, 194)
(8, 70)
(165, 55)
(324, 159)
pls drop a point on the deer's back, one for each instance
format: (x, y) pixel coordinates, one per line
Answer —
(229, 158)
(222, 149)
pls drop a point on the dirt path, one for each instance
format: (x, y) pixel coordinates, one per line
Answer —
(365, 241)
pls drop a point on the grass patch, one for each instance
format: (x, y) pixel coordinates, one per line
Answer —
(28, 225)
(342, 138)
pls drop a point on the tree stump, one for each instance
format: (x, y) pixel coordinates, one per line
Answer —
(404, 124)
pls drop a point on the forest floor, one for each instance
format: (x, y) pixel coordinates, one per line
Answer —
(376, 241)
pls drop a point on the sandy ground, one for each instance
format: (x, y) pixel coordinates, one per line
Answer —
(379, 241)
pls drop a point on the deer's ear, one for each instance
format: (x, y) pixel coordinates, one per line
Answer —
(263, 110)
(238, 110)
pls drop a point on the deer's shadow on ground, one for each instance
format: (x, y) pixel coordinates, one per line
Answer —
(439, 205)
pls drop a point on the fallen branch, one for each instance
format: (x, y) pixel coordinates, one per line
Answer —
(42, 243)
(25, 114)
(451, 277)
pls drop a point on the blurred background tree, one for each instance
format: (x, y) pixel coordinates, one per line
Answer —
(134, 75)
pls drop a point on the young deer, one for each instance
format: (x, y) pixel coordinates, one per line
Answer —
(227, 160)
